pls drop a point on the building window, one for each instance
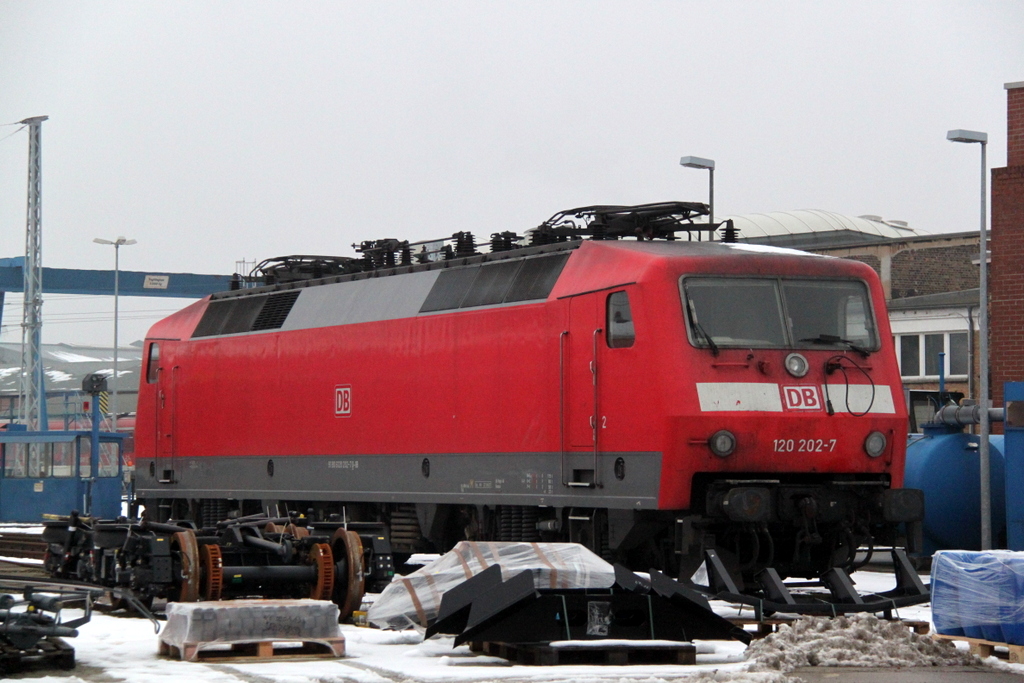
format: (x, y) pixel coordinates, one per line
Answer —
(919, 354)
(910, 355)
(959, 354)
(934, 344)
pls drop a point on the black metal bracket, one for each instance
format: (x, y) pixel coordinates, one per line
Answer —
(775, 596)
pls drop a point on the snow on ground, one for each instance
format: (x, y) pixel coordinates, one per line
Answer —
(22, 528)
(855, 640)
(110, 649)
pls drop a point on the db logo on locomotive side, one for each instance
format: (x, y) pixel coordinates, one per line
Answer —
(343, 400)
(801, 398)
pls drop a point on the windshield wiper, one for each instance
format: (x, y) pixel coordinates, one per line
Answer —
(833, 339)
(697, 326)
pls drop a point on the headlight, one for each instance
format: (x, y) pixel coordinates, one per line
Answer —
(874, 445)
(722, 443)
(796, 365)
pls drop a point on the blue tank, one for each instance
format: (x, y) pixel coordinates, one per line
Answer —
(945, 466)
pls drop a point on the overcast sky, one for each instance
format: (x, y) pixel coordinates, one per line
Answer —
(213, 132)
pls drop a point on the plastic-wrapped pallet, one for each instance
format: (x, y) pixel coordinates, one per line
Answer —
(240, 621)
(979, 594)
(413, 600)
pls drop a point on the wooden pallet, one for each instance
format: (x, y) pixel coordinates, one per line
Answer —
(50, 652)
(987, 648)
(533, 654)
(326, 648)
(768, 626)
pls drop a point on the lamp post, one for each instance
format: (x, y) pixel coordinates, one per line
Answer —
(709, 164)
(118, 243)
(983, 447)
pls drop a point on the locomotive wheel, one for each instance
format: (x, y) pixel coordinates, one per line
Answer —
(321, 556)
(296, 531)
(272, 528)
(350, 586)
(213, 571)
(188, 553)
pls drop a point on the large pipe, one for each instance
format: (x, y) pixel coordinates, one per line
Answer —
(965, 416)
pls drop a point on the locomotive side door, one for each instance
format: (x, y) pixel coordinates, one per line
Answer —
(581, 413)
(165, 412)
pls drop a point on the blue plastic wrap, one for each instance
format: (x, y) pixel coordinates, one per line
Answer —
(979, 594)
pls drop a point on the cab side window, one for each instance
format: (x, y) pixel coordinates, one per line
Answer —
(153, 363)
(619, 324)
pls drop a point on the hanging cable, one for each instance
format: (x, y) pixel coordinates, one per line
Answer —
(836, 363)
(14, 133)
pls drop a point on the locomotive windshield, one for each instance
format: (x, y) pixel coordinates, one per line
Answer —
(778, 312)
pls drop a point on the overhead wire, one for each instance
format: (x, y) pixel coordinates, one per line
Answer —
(14, 133)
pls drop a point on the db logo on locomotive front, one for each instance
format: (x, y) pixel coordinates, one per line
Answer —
(343, 400)
(801, 398)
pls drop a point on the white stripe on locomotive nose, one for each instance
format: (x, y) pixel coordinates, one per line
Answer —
(860, 398)
(744, 396)
(764, 397)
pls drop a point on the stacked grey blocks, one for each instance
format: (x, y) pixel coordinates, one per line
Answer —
(240, 621)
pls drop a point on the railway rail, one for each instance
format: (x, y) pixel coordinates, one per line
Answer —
(22, 545)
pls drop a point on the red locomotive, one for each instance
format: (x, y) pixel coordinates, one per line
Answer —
(649, 397)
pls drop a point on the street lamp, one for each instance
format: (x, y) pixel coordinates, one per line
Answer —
(709, 164)
(118, 243)
(983, 448)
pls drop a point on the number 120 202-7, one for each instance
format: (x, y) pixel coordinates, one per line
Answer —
(805, 445)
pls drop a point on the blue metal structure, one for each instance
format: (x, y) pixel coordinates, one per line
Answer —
(1013, 426)
(52, 473)
(101, 282)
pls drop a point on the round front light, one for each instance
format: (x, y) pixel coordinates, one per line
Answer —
(722, 443)
(874, 445)
(797, 365)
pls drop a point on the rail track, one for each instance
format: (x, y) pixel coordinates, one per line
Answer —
(22, 545)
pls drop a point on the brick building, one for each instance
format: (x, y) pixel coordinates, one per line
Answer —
(1006, 277)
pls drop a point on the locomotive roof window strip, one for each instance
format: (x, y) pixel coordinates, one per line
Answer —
(275, 310)
(246, 314)
(229, 316)
(491, 284)
(778, 312)
(450, 289)
(536, 278)
(511, 281)
(508, 278)
(517, 254)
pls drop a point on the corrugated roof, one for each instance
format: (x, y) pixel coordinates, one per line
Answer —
(814, 228)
